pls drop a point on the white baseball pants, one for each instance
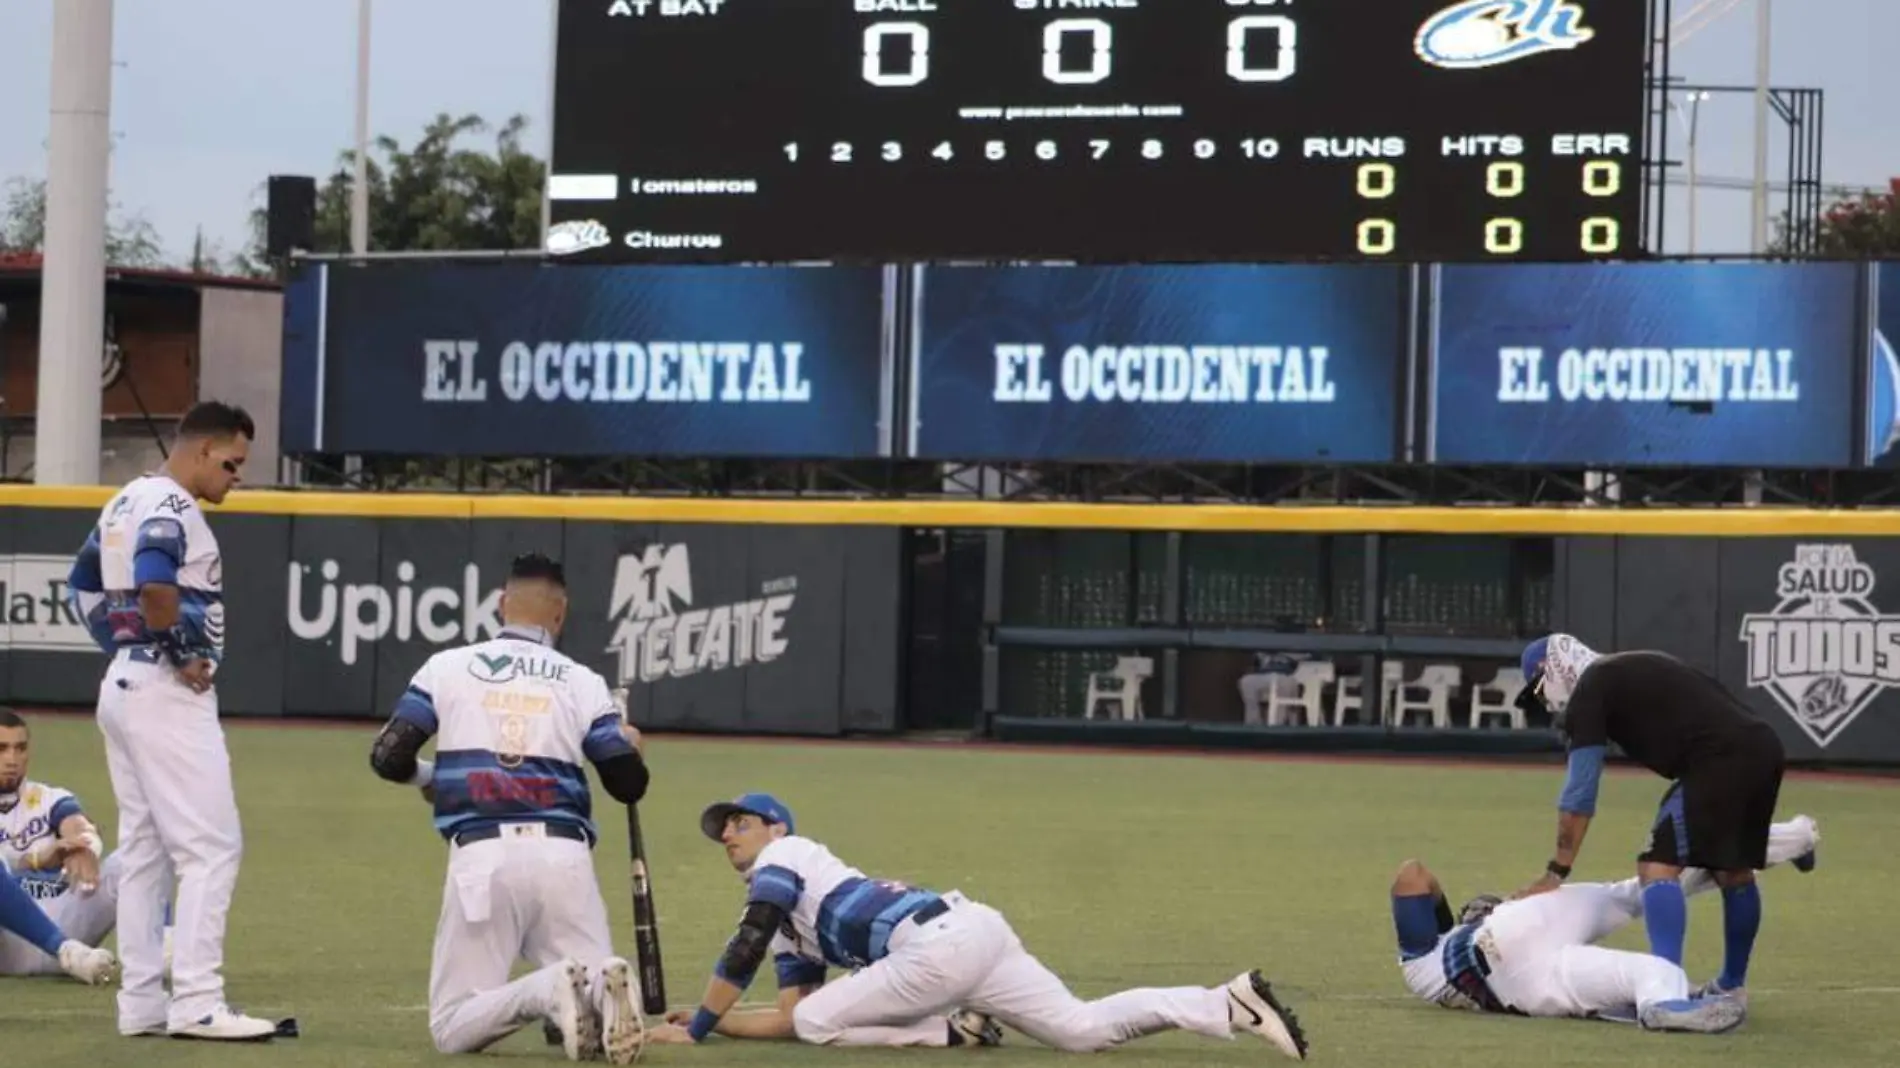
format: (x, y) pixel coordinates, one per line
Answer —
(969, 958)
(178, 819)
(524, 895)
(85, 917)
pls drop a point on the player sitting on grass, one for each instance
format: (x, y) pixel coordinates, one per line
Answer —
(65, 896)
(918, 956)
(1536, 956)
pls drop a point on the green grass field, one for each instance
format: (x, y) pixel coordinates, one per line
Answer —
(1117, 869)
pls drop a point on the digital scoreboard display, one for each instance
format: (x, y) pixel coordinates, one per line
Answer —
(1098, 131)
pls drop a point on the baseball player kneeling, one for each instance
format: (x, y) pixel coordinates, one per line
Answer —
(513, 719)
(54, 853)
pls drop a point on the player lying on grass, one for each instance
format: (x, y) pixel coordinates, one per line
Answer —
(918, 957)
(1536, 956)
(58, 900)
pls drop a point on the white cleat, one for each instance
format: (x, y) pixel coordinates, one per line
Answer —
(1251, 1006)
(1703, 1015)
(88, 964)
(225, 1024)
(574, 1013)
(623, 1026)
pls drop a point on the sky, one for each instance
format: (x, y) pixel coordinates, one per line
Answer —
(210, 97)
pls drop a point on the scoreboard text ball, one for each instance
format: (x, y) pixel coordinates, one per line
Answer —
(1098, 130)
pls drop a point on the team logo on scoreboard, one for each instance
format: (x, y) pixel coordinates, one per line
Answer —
(567, 238)
(1824, 652)
(1486, 33)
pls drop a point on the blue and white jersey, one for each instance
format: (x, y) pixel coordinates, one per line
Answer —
(151, 531)
(838, 916)
(29, 818)
(513, 718)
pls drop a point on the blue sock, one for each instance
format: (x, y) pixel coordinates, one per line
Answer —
(22, 915)
(1741, 919)
(1666, 916)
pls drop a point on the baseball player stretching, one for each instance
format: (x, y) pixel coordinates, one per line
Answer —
(919, 955)
(1537, 956)
(48, 840)
(513, 719)
(149, 583)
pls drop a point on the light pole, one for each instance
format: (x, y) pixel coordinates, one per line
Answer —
(1695, 100)
(359, 187)
(1764, 25)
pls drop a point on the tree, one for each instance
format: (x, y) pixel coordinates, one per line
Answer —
(435, 195)
(1862, 226)
(131, 241)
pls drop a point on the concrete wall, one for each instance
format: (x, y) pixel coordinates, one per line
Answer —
(240, 361)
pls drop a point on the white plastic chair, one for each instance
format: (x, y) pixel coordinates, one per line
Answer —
(1349, 699)
(1121, 686)
(1305, 690)
(1508, 683)
(1438, 681)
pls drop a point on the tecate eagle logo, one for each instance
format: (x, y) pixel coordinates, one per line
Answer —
(658, 633)
(1487, 33)
(1824, 652)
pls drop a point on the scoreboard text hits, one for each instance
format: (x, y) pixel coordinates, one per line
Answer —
(1098, 130)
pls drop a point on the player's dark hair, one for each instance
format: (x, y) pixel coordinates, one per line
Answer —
(216, 419)
(10, 718)
(540, 567)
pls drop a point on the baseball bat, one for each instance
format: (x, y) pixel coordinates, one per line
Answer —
(646, 925)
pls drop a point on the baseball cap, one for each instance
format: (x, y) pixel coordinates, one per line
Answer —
(712, 822)
(1533, 659)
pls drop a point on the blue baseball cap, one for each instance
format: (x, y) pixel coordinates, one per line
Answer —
(768, 808)
(1533, 660)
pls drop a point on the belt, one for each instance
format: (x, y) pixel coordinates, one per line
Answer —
(1467, 968)
(493, 830)
(929, 912)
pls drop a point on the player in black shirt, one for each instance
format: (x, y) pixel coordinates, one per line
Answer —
(1726, 767)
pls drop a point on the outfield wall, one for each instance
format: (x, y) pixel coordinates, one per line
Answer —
(831, 617)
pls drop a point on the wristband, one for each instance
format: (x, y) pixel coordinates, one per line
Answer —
(1561, 871)
(90, 839)
(425, 774)
(703, 1023)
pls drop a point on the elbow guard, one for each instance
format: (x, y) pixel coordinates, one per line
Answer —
(746, 950)
(394, 755)
(624, 777)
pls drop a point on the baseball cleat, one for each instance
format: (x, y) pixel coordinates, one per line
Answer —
(1704, 1015)
(1714, 989)
(225, 1024)
(623, 1026)
(89, 965)
(975, 1029)
(1251, 1006)
(574, 1013)
(1805, 862)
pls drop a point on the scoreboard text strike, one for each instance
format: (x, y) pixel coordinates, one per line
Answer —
(1098, 130)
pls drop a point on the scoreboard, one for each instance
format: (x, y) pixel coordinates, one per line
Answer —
(1098, 131)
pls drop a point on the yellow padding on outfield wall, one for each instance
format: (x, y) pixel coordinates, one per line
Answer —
(1738, 522)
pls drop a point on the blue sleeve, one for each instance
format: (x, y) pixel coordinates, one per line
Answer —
(604, 740)
(85, 575)
(64, 807)
(417, 707)
(796, 971)
(1580, 787)
(776, 886)
(160, 552)
(1415, 917)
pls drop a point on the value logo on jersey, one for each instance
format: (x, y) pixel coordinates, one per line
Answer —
(1487, 33)
(658, 632)
(1824, 652)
